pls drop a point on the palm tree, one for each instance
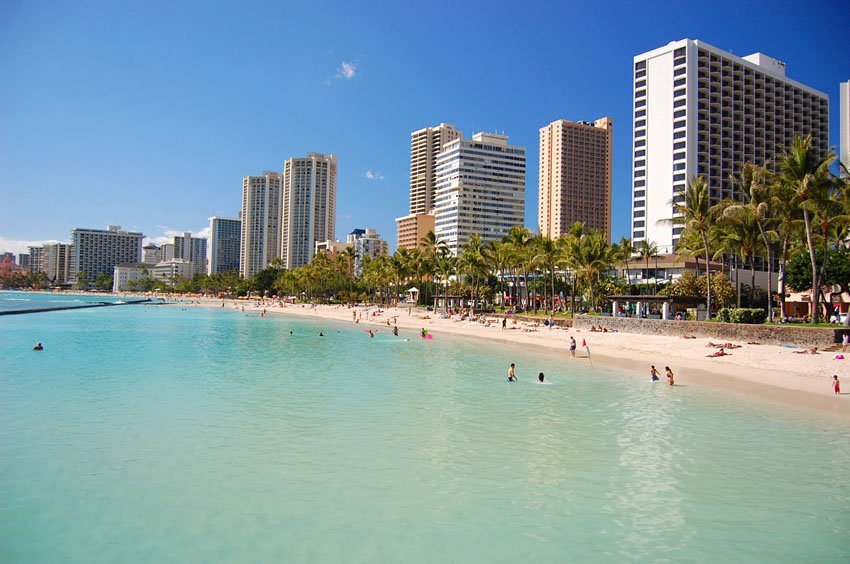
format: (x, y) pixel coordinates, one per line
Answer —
(594, 257)
(756, 195)
(647, 250)
(694, 213)
(547, 255)
(808, 179)
(474, 262)
(626, 252)
(520, 238)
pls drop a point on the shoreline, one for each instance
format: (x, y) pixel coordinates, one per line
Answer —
(769, 373)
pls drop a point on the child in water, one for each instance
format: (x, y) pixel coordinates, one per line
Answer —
(654, 374)
(512, 373)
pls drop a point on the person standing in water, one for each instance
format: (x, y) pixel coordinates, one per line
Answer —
(512, 373)
(573, 346)
(669, 375)
(654, 373)
(540, 377)
(395, 331)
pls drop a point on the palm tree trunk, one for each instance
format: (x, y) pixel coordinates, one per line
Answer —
(811, 246)
(707, 278)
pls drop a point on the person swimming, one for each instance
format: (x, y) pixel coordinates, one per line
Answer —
(321, 334)
(38, 347)
(540, 377)
(371, 334)
(395, 331)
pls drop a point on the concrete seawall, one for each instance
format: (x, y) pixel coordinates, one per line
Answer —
(796, 336)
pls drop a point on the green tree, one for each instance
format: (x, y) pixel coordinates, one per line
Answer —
(807, 176)
(694, 213)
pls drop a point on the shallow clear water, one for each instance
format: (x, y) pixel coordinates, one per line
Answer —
(151, 434)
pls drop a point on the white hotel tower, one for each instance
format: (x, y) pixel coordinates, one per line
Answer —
(702, 111)
(480, 189)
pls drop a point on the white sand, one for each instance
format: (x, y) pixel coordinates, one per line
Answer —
(770, 372)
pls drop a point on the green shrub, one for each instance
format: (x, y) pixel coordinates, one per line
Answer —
(741, 315)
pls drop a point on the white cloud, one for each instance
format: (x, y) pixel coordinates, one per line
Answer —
(347, 70)
(373, 175)
(17, 246)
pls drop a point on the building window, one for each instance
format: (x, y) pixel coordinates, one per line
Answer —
(639, 213)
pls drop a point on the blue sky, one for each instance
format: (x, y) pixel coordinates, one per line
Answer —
(148, 114)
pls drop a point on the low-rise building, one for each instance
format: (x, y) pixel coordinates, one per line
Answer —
(126, 273)
(412, 228)
(170, 270)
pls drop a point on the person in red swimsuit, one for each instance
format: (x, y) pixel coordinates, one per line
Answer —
(835, 384)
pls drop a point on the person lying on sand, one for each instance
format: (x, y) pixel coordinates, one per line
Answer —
(689, 336)
(715, 354)
(723, 345)
(813, 350)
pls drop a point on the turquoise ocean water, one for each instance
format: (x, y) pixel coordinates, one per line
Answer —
(153, 434)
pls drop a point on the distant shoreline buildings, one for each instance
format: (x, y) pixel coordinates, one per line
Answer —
(697, 111)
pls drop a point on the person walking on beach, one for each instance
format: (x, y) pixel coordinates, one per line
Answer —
(836, 386)
(845, 341)
(654, 374)
(504, 323)
(573, 347)
(669, 375)
(512, 373)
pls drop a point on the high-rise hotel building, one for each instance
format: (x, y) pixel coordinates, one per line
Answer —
(425, 145)
(480, 189)
(225, 234)
(308, 207)
(702, 111)
(260, 239)
(97, 251)
(193, 249)
(575, 176)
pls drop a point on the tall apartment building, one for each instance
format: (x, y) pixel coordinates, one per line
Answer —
(260, 239)
(58, 258)
(702, 111)
(844, 127)
(480, 189)
(425, 145)
(225, 235)
(308, 207)
(575, 176)
(36, 259)
(366, 243)
(193, 249)
(24, 262)
(97, 251)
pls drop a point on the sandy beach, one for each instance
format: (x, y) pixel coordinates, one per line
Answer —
(770, 372)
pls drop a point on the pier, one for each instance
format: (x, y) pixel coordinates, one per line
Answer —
(85, 306)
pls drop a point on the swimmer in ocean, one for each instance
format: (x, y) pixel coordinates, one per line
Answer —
(38, 347)
(395, 331)
(512, 373)
(540, 377)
